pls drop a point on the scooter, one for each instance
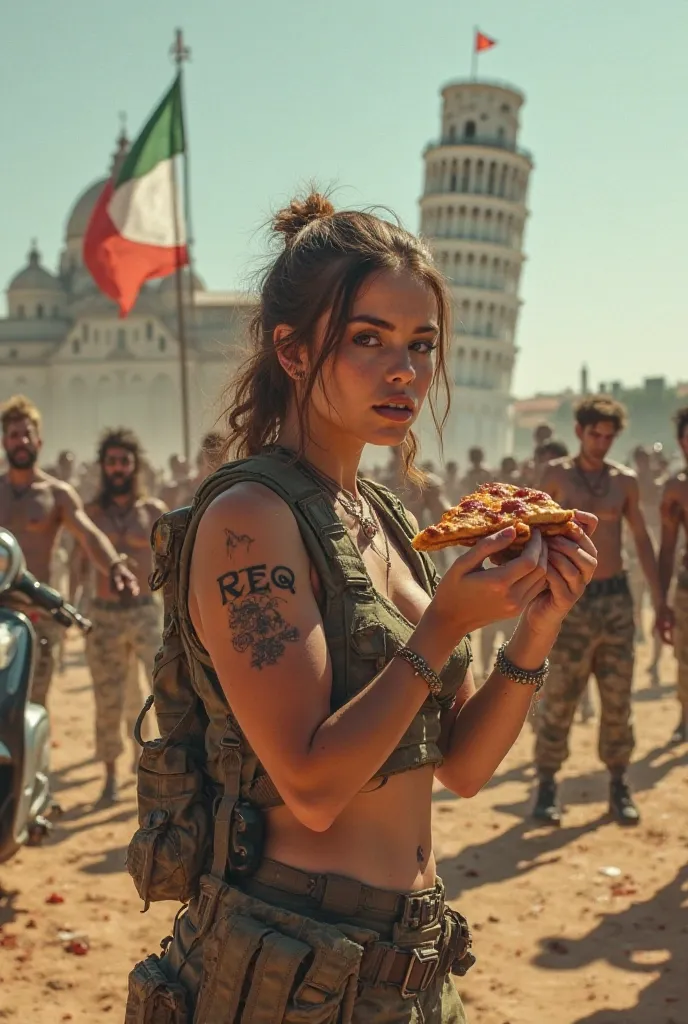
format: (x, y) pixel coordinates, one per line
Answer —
(25, 797)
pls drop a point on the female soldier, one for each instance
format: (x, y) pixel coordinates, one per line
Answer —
(344, 661)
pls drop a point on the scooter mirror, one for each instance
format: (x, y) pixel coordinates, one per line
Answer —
(11, 560)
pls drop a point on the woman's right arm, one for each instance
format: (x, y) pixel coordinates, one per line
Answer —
(256, 614)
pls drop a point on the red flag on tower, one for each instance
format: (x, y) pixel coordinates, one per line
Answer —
(483, 42)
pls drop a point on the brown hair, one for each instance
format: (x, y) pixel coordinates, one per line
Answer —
(681, 421)
(120, 437)
(16, 408)
(600, 409)
(325, 258)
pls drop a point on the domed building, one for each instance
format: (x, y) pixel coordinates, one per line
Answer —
(63, 344)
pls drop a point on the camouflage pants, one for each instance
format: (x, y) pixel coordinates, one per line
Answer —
(596, 638)
(121, 638)
(681, 640)
(378, 1003)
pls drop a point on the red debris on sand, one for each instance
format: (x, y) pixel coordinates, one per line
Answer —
(8, 941)
(77, 946)
(54, 897)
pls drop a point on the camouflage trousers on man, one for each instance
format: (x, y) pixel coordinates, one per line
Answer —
(122, 637)
(596, 638)
(681, 639)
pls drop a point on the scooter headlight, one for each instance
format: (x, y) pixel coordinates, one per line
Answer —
(8, 645)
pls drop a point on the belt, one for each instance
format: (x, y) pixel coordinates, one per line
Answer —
(122, 606)
(337, 894)
(607, 588)
(413, 970)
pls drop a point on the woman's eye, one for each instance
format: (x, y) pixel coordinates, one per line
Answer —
(425, 347)
(366, 339)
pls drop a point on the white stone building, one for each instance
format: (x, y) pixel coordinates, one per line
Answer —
(63, 344)
(473, 212)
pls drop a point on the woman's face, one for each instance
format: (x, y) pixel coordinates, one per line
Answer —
(375, 384)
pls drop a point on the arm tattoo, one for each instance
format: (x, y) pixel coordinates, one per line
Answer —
(257, 625)
(420, 856)
(235, 540)
(254, 617)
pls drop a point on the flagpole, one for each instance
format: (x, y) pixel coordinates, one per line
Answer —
(181, 53)
(474, 54)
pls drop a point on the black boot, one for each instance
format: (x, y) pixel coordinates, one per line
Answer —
(680, 733)
(110, 794)
(546, 809)
(621, 805)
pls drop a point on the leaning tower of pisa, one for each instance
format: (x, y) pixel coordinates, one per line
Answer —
(473, 212)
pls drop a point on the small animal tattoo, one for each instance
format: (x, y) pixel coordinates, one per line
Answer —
(236, 540)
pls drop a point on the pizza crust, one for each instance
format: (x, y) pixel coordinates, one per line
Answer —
(493, 507)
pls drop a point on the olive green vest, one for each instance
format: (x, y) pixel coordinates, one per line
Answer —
(363, 629)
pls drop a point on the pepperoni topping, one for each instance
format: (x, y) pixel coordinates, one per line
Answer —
(523, 492)
(514, 506)
(497, 490)
(471, 505)
(491, 516)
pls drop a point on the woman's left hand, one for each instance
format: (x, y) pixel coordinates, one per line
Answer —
(571, 564)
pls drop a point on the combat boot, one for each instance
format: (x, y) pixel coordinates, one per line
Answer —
(546, 809)
(621, 805)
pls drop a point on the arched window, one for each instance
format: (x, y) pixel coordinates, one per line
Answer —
(488, 226)
(498, 233)
(482, 274)
(461, 226)
(492, 178)
(453, 177)
(460, 366)
(479, 317)
(469, 268)
(162, 343)
(474, 222)
(466, 176)
(514, 179)
(465, 314)
(479, 174)
(469, 130)
(39, 311)
(502, 180)
(149, 331)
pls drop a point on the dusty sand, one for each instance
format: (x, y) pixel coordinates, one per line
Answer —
(557, 941)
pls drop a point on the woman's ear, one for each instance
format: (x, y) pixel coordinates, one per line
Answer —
(291, 357)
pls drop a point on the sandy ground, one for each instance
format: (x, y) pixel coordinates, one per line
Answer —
(558, 940)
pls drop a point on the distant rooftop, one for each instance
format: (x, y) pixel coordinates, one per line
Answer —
(493, 83)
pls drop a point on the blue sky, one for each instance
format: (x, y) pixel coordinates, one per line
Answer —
(348, 94)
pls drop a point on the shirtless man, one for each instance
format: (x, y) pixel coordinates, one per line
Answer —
(35, 507)
(126, 632)
(597, 636)
(674, 517)
(650, 494)
(477, 474)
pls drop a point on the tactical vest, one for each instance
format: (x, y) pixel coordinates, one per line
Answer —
(201, 789)
(363, 629)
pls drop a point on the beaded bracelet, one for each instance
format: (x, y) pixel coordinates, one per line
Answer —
(527, 677)
(421, 668)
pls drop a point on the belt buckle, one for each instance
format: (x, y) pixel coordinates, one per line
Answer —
(412, 915)
(429, 959)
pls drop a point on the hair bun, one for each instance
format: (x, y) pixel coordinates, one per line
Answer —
(299, 213)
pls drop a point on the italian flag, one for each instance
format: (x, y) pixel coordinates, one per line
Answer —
(137, 230)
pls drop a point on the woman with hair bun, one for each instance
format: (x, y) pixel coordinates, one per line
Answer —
(332, 664)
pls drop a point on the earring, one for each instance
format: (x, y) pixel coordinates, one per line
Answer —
(298, 374)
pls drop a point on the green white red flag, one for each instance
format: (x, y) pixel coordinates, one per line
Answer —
(137, 229)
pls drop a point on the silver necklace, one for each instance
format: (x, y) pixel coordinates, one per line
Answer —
(353, 506)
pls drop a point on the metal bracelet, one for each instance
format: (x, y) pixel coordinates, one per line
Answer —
(527, 677)
(421, 668)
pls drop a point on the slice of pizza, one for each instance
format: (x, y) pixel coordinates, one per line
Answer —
(493, 507)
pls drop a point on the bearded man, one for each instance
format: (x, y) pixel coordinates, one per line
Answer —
(126, 631)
